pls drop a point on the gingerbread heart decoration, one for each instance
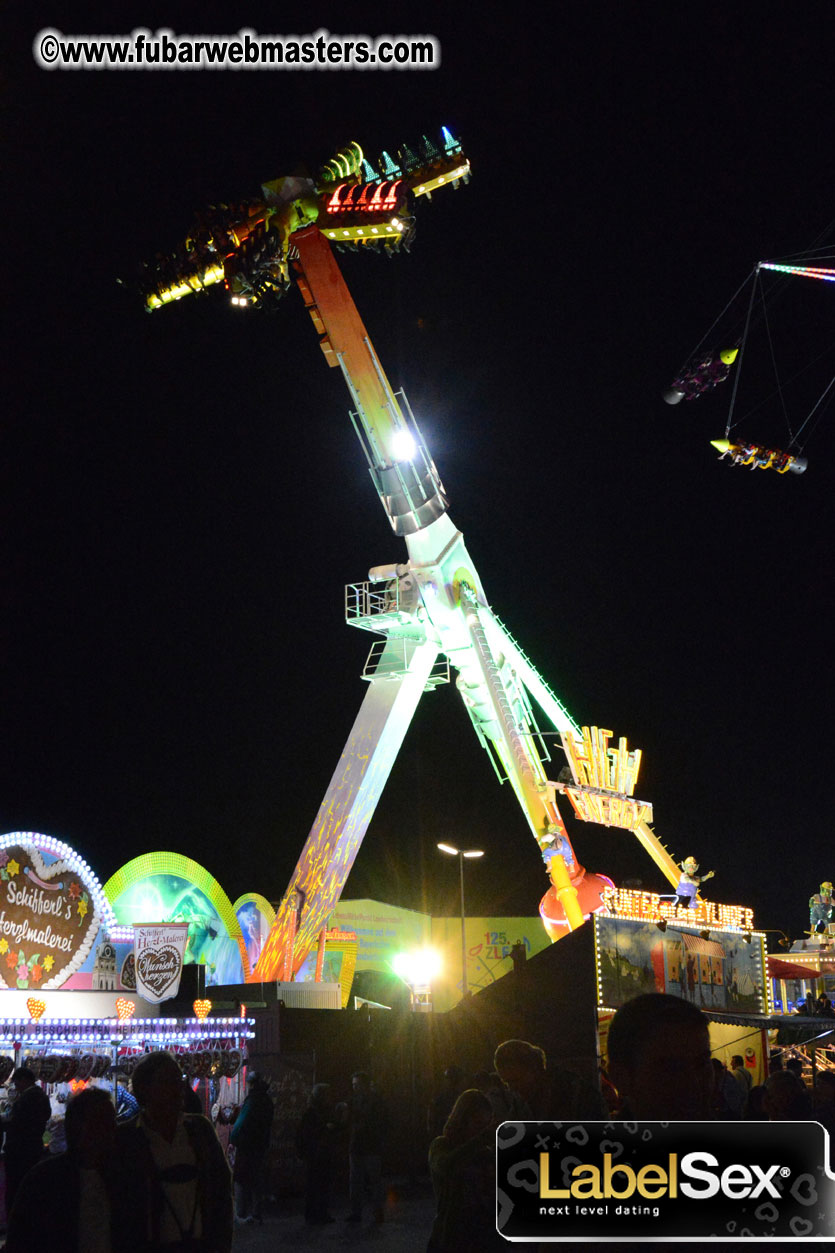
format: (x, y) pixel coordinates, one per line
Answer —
(128, 975)
(50, 919)
(159, 969)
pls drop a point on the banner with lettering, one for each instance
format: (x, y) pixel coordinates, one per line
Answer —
(159, 948)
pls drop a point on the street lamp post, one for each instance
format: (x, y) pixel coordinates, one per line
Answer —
(461, 854)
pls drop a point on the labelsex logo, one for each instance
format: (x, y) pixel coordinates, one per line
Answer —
(736, 1181)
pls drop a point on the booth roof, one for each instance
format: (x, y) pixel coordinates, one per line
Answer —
(779, 968)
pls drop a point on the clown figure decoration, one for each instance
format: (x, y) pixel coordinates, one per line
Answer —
(820, 908)
(688, 884)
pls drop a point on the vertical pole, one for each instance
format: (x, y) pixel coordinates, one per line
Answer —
(463, 930)
(320, 957)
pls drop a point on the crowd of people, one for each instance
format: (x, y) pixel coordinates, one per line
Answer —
(815, 1006)
(159, 1181)
(325, 1130)
(660, 1067)
(148, 1174)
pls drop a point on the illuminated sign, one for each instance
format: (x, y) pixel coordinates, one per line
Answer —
(650, 907)
(610, 811)
(51, 908)
(159, 949)
(116, 1033)
(604, 780)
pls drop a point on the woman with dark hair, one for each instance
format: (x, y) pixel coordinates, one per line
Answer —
(462, 1166)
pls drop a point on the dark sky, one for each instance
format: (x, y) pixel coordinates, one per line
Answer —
(183, 499)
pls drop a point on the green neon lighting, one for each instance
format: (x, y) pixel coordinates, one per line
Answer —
(150, 864)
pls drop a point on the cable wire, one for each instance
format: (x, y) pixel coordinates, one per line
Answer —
(738, 371)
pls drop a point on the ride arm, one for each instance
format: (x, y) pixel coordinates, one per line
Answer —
(402, 470)
(504, 725)
(347, 808)
(533, 682)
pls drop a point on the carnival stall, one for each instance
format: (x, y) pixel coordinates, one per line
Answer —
(72, 977)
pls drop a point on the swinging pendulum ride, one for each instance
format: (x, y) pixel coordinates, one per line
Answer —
(430, 610)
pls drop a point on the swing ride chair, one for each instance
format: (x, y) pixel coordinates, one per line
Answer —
(705, 370)
(431, 609)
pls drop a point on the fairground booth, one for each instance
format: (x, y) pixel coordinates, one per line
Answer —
(159, 957)
(86, 992)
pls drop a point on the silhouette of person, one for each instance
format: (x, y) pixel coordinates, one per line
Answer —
(314, 1145)
(365, 1148)
(545, 1093)
(77, 1183)
(173, 1178)
(250, 1135)
(462, 1167)
(24, 1129)
(659, 1058)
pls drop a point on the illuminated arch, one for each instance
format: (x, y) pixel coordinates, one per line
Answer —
(260, 902)
(267, 914)
(150, 864)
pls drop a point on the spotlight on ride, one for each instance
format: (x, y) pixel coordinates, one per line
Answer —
(403, 446)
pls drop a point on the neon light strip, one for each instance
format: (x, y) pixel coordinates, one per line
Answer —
(173, 1037)
(118, 1033)
(804, 271)
(120, 1024)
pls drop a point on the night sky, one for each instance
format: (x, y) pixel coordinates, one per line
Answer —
(183, 499)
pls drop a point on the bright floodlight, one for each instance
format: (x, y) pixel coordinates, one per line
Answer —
(455, 852)
(403, 447)
(447, 848)
(417, 968)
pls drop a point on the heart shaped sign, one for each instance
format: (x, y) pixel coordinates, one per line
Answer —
(124, 1007)
(201, 1009)
(128, 975)
(51, 916)
(35, 1007)
(158, 969)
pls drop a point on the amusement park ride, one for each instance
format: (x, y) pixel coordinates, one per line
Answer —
(705, 370)
(431, 609)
